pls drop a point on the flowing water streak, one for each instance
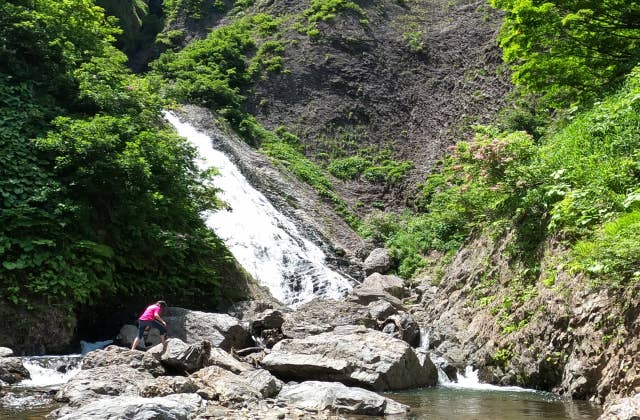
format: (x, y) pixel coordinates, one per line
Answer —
(263, 240)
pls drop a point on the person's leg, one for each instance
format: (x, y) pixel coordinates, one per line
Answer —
(141, 326)
(163, 337)
(135, 343)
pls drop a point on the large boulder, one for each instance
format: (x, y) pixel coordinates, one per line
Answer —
(353, 355)
(114, 355)
(221, 330)
(170, 407)
(229, 389)
(99, 382)
(319, 316)
(336, 397)
(393, 285)
(12, 370)
(378, 261)
(182, 357)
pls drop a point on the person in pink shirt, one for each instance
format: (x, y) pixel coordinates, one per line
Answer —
(151, 318)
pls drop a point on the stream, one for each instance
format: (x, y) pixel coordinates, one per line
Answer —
(466, 399)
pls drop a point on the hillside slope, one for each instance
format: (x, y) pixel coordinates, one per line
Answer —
(391, 81)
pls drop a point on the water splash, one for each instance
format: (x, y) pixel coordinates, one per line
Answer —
(469, 380)
(266, 243)
(50, 370)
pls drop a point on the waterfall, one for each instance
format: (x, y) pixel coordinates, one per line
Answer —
(265, 242)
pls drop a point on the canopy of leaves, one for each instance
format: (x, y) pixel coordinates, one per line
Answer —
(570, 50)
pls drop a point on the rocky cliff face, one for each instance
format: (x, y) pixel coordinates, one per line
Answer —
(413, 79)
(556, 334)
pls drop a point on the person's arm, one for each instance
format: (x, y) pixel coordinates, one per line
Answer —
(160, 320)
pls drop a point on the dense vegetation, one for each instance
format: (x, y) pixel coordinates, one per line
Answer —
(100, 201)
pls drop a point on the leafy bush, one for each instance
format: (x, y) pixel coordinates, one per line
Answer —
(612, 256)
(329, 9)
(570, 50)
(349, 167)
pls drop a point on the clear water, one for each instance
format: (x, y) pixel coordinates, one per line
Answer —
(469, 399)
(447, 402)
(264, 241)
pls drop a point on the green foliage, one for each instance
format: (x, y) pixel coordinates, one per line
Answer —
(570, 50)
(612, 257)
(104, 203)
(284, 152)
(194, 9)
(329, 9)
(349, 167)
(214, 71)
(373, 167)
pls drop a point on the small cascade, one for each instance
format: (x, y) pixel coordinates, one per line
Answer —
(424, 338)
(469, 380)
(50, 370)
(265, 242)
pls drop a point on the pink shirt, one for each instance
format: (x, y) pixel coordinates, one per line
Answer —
(150, 313)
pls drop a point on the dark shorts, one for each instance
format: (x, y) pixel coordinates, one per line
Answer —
(142, 325)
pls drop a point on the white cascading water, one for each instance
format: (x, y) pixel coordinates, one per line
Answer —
(50, 370)
(469, 380)
(265, 242)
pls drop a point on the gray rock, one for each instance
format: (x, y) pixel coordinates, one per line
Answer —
(365, 296)
(393, 285)
(221, 330)
(319, 316)
(336, 397)
(171, 407)
(229, 389)
(12, 370)
(247, 310)
(167, 385)
(262, 380)
(381, 310)
(102, 381)
(114, 355)
(221, 358)
(622, 409)
(353, 355)
(182, 357)
(270, 319)
(378, 261)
